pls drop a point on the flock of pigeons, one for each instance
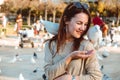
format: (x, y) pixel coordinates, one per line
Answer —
(34, 58)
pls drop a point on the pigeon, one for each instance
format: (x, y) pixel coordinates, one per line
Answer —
(21, 77)
(39, 47)
(34, 71)
(102, 67)
(18, 57)
(44, 77)
(106, 77)
(16, 47)
(102, 43)
(15, 58)
(51, 27)
(99, 57)
(35, 56)
(109, 45)
(33, 60)
(105, 53)
(115, 45)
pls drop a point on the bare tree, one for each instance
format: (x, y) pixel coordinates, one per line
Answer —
(30, 5)
(54, 7)
(114, 6)
(100, 6)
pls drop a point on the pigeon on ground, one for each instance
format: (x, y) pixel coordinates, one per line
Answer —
(34, 58)
(21, 77)
(115, 45)
(34, 71)
(105, 53)
(99, 57)
(44, 77)
(109, 45)
(15, 58)
(106, 77)
(39, 47)
(102, 67)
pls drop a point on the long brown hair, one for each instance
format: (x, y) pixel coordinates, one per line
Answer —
(70, 11)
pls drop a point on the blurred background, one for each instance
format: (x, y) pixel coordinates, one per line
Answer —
(21, 42)
(52, 9)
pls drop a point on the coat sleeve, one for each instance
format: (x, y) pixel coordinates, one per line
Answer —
(92, 68)
(53, 70)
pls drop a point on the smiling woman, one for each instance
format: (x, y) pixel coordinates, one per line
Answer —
(65, 53)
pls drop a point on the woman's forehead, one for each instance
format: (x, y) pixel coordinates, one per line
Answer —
(81, 17)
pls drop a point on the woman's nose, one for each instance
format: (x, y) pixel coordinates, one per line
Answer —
(83, 27)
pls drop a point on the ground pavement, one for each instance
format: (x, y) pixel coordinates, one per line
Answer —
(24, 66)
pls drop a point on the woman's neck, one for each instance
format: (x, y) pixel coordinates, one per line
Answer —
(69, 38)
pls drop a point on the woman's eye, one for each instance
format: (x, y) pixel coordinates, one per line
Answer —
(79, 23)
(86, 24)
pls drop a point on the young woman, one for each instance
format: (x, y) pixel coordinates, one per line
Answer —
(67, 55)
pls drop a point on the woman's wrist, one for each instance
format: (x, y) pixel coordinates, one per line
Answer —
(68, 60)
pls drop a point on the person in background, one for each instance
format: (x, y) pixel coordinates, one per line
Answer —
(37, 27)
(105, 31)
(97, 20)
(4, 23)
(19, 23)
(68, 56)
(112, 32)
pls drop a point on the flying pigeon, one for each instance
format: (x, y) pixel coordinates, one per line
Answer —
(50, 26)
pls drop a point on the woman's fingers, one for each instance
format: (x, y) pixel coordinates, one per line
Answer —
(82, 54)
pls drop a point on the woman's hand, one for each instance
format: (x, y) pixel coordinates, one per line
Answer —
(81, 54)
(64, 77)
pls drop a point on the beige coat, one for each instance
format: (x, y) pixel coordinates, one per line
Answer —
(88, 69)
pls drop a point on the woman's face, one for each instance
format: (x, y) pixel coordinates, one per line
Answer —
(77, 25)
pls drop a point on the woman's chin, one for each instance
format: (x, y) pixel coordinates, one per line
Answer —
(77, 36)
